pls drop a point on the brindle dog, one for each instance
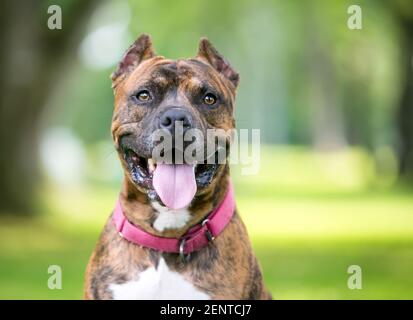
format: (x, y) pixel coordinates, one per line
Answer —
(200, 92)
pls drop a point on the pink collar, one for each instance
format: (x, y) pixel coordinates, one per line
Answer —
(195, 239)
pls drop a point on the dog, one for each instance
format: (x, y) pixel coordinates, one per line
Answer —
(174, 232)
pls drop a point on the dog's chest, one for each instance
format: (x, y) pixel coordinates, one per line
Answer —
(157, 284)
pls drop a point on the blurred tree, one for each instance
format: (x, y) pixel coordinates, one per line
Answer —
(32, 59)
(403, 10)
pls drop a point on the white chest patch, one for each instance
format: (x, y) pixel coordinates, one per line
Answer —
(170, 219)
(157, 284)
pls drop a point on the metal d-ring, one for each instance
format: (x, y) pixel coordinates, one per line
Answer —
(208, 233)
(184, 258)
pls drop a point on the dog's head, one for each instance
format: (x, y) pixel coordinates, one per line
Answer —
(165, 108)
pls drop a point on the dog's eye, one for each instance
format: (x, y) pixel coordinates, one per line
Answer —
(143, 96)
(210, 99)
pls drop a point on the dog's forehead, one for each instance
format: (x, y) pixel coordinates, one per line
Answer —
(167, 72)
(182, 68)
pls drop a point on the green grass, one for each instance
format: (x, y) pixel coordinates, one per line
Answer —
(310, 216)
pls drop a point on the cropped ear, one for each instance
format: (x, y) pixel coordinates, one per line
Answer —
(208, 53)
(139, 51)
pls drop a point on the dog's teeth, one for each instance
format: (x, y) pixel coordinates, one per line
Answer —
(151, 165)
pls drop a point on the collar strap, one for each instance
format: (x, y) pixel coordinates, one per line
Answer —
(195, 239)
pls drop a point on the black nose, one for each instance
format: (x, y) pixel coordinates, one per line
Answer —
(169, 118)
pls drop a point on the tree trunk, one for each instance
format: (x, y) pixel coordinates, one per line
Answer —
(405, 117)
(31, 61)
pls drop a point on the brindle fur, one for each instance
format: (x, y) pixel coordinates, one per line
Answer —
(227, 267)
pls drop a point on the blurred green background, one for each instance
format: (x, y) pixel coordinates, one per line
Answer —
(334, 106)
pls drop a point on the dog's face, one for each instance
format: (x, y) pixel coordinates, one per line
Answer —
(175, 97)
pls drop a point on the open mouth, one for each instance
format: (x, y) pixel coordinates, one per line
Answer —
(174, 185)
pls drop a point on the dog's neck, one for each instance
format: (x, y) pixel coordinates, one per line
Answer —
(159, 220)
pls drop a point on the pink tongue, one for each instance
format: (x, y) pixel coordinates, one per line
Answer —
(175, 184)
